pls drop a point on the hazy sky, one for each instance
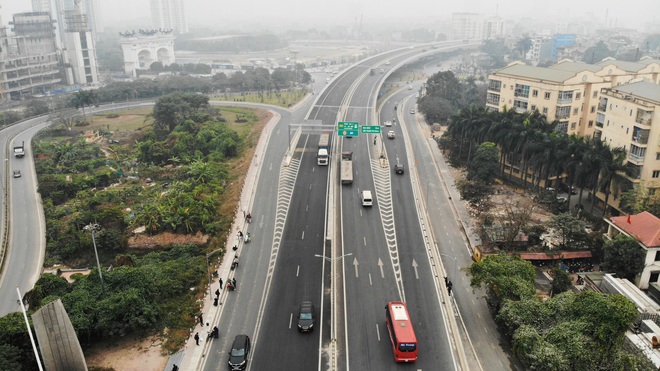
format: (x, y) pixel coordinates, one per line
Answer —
(631, 13)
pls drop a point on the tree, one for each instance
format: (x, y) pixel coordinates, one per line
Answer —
(597, 53)
(624, 257)
(568, 227)
(84, 98)
(561, 282)
(523, 45)
(485, 164)
(435, 109)
(504, 277)
(444, 85)
(36, 107)
(639, 199)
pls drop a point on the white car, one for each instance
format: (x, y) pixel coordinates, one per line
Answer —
(17, 173)
(387, 62)
(388, 123)
(412, 111)
(390, 134)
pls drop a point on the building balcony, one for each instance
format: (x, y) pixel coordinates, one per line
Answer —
(599, 124)
(564, 100)
(645, 121)
(602, 107)
(635, 158)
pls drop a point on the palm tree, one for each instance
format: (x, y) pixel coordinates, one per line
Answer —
(611, 171)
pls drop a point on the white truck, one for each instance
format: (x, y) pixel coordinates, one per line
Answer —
(19, 151)
(322, 157)
(347, 167)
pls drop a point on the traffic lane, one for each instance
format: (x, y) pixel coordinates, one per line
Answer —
(25, 255)
(420, 285)
(370, 284)
(241, 309)
(447, 234)
(297, 274)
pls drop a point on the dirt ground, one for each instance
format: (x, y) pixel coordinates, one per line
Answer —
(130, 354)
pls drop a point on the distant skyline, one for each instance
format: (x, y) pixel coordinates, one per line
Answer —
(631, 14)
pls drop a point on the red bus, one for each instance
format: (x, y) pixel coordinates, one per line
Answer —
(402, 334)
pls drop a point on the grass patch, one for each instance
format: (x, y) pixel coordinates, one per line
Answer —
(282, 99)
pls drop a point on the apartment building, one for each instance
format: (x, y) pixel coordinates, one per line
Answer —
(629, 117)
(29, 62)
(566, 91)
(474, 26)
(169, 15)
(616, 101)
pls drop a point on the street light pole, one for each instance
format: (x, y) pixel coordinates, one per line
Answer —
(93, 228)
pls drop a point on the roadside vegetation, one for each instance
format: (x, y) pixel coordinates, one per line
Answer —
(569, 331)
(174, 171)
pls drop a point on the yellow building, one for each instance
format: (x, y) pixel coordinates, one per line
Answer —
(616, 101)
(566, 91)
(629, 117)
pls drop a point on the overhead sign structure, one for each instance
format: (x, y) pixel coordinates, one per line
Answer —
(348, 129)
(370, 129)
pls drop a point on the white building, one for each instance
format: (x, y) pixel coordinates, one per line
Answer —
(169, 15)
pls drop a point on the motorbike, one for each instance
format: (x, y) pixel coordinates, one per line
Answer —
(234, 264)
(247, 237)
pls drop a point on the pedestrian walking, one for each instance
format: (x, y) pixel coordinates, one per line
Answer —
(217, 292)
(233, 282)
(201, 319)
(220, 283)
(216, 332)
(249, 217)
(240, 235)
(449, 285)
(197, 338)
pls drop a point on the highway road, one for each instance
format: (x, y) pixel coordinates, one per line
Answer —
(301, 212)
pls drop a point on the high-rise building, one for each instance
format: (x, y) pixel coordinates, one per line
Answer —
(80, 54)
(169, 15)
(467, 26)
(29, 63)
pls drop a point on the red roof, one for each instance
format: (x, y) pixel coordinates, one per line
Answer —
(645, 227)
(555, 256)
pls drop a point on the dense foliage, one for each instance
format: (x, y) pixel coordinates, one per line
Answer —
(566, 332)
(445, 94)
(536, 150)
(624, 257)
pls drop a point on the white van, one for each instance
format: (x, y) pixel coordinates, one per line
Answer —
(367, 200)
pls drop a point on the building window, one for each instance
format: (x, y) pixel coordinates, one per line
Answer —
(535, 93)
(591, 123)
(578, 96)
(493, 98)
(522, 91)
(656, 174)
(533, 107)
(565, 97)
(547, 95)
(494, 85)
(575, 111)
(563, 112)
(520, 105)
(657, 256)
(654, 277)
(593, 109)
(572, 126)
(545, 110)
(562, 127)
(595, 94)
(657, 156)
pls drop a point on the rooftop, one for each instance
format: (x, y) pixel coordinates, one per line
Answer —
(645, 227)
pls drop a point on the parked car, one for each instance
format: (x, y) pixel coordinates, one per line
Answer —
(17, 173)
(390, 134)
(238, 355)
(306, 317)
(563, 188)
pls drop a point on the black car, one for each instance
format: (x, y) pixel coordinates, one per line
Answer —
(238, 356)
(306, 317)
(399, 169)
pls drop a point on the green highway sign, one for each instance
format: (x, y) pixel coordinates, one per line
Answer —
(370, 129)
(347, 129)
